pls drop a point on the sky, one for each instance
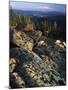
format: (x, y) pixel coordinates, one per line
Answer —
(19, 5)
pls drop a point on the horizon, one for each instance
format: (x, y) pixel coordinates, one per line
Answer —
(34, 6)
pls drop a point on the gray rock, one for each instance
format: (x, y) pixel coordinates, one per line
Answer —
(56, 58)
(33, 69)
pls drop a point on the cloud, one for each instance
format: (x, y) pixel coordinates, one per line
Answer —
(44, 8)
(31, 7)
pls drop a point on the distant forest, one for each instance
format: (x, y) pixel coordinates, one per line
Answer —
(51, 26)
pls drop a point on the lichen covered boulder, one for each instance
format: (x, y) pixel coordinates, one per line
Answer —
(21, 39)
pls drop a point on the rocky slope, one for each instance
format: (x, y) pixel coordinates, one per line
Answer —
(34, 62)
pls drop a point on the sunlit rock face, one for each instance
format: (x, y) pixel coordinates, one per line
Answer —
(35, 35)
(21, 39)
(60, 44)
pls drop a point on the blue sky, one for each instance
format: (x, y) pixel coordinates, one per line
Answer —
(38, 6)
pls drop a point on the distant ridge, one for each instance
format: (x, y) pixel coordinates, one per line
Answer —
(30, 12)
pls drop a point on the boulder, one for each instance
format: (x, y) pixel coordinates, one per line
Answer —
(58, 42)
(16, 81)
(35, 35)
(21, 39)
(12, 64)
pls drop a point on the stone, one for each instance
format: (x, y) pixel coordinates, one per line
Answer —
(41, 43)
(12, 67)
(26, 66)
(35, 35)
(19, 83)
(21, 40)
(35, 77)
(12, 64)
(29, 69)
(12, 61)
(58, 42)
(60, 45)
(64, 44)
(32, 74)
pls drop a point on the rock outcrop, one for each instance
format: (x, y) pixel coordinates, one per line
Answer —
(57, 54)
(34, 62)
(16, 81)
(34, 70)
(21, 39)
(35, 35)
